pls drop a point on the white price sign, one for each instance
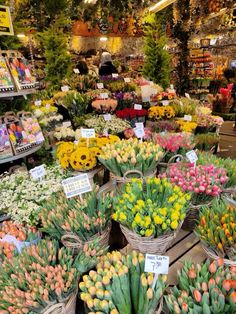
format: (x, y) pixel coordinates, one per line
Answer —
(188, 118)
(105, 132)
(127, 80)
(139, 130)
(38, 173)
(104, 95)
(107, 117)
(100, 85)
(115, 75)
(65, 88)
(66, 124)
(138, 107)
(88, 133)
(76, 71)
(38, 103)
(75, 186)
(165, 103)
(192, 156)
(157, 264)
(187, 96)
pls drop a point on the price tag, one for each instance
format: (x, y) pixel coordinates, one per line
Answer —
(38, 173)
(104, 95)
(107, 117)
(38, 103)
(105, 132)
(100, 85)
(88, 133)
(157, 264)
(65, 88)
(76, 71)
(66, 124)
(165, 103)
(115, 75)
(75, 186)
(76, 142)
(187, 96)
(127, 80)
(138, 107)
(139, 130)
(48, 106)
(192, 156)
(188, 118)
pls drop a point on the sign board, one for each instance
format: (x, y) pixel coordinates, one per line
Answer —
(187, 117)
(38, 173)
(127, 80)
(138, 107)
(104, 95)
(88, 133)
(65, 88)
(139, 130)
(66, 124)
(75, 186)
(192, 156)
(157, 264)
(115, 75)
(76, 71)
(107, 117)
(100, 85)
(6, 27)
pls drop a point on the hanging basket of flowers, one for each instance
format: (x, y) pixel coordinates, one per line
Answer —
(150, 213)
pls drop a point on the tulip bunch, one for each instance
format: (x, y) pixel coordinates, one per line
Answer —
(120, 285)
(209, 121)
(174, 143)
(207, 288)
(130, 155)
(42, 275)
(156, 113)
(186, 126)
(82, 217)
(204, 182)
(129, 113)
(151, 210)
(216, 228)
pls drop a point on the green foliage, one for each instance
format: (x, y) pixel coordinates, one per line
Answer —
(157, 63)
(58, 61)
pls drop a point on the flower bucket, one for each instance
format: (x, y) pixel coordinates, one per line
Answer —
(150, 245)
(212, 254)
(192, 216)
(66, 307)
(73, 242)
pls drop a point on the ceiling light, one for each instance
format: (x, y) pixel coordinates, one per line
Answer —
(161, 5)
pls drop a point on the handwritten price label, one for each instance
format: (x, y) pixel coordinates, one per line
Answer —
(127, 80)
(107, 117)
(75, 186)
(157, 264)
(115, 75)
(139, 130)
(138, 107)
(65, 88)
(103, 95)
(100, 85)
(165, 103)
(38, 103)
(187, 96)
(88, 133)
(76, 71)
(192, 156)
(66, 124)
(38, 173)
(188, 118)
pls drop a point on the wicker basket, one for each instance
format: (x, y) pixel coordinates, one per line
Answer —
(150, 244)
(192, 216)
(162, 166)
(66, 307)
(72, 241)
(213, 255)
(129, 175)
(160, 307)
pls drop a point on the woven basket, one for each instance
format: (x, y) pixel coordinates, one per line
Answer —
(150, 244)
(213, 255)
(72, 241)
(160, 307)
(66, 307)
(192, 216)
(162, 166)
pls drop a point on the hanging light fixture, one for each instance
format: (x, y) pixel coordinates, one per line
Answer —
(160, 5)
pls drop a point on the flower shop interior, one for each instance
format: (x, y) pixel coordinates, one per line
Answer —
(117, 156)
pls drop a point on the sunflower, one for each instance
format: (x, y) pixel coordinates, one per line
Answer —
(82, 142)
(95, 151)
(64, 162)
(82, 154)
(74, 162)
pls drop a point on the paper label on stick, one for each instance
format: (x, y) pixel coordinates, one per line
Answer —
(157, 264)
(138, 107)
(103, 95)
(65, 88)
(192, 156)
(66, 124)
(107, 117)
(165, 103)
(188, 118)
(88, 133)
(38, 173)
(100, 85)
(76, 71)
(115, 75)
(75, 186)
(38, 103)
(127, 80)
(187, 96)
(139, 130)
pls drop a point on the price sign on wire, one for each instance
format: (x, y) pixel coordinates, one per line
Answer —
(76, 71)
(127, 80)
(138, 107)
(192, 156)
(157, 264)
(115, 75)
(75, 186)
(38, 173)
(188, 118)
(165, 103)
(139, 130)
(38, 103)
(88, 133)
(66, 124)
(103, 95)
(65, 88)
(100, 85)
(187, 96)
(107, 117)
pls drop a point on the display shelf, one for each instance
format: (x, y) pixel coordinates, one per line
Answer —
(23, 92)
(23, 155)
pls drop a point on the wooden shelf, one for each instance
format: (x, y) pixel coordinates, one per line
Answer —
(23, 92)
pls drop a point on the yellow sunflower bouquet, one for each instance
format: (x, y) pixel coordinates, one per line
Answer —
(187, 126)
(156, 113)
(150, 209)
(82, 156)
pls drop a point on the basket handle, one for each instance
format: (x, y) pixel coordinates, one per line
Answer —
(9, 113)
(58, 308)
(72, 241)
(125, 176)
(231, 190)
(175, 157)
